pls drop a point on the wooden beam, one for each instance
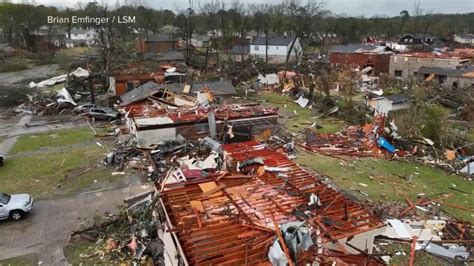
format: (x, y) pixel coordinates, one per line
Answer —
(282, 241)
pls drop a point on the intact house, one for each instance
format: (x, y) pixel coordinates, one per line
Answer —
(156, 43)
(231, 123)
(277, 49)
(47, 37)
(385, 104)
(461, 77)
(464, 38)
(81, 37)
(416, 39)
(406, 66)
(361, 55)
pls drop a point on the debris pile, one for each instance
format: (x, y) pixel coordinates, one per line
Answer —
(127, 238)
(369, 140)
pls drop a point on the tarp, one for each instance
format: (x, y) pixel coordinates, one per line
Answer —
(286, 74)
(382, 142)
(268, 79)
(64, 97)
(48, 82)
(302, 101)
(468, 169)
(80, 73)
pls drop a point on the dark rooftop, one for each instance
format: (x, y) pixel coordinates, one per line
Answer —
(359, 48)
(140, 93)
(398, 98)
(279, 41)
(239, 49)
(453, 72)
(158, 38)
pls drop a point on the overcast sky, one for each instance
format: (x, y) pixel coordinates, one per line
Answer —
(366, 8)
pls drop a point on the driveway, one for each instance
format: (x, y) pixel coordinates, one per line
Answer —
(47, 228)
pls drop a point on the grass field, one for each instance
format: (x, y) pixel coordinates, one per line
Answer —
(304, 116)
(30, 259)
(55, 174)
(388, 180)
(54, 168)
(52, 139)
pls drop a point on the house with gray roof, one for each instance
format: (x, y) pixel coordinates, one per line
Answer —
(385, 104)
(82, 37)
(277, 49)
(464, 38)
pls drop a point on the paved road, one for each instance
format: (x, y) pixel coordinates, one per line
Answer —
(14, 131)
(28, 75)
(47, 228)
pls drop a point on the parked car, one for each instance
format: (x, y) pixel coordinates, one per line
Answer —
(84, 108)
(103, 113)
(15, 206)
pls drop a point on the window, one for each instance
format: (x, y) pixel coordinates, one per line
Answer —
(201, 128)
(4, 198)
(397, 73)
(256, 47)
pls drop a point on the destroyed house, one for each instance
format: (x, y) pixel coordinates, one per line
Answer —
(158, 93)
(179, 94)
(236, 218)
(461, 77)
(234, 122)
(361, 55)
(222, 90)
(407, 65)
(125, 82)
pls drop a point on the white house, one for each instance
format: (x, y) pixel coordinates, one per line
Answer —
(383, 105)
(466, 38)
(83, 37)
(277, 48)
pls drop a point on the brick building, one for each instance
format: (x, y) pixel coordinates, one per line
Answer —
(361, 55)
(155, 43)
(407, 65)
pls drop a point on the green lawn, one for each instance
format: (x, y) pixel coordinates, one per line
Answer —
(51, 139)
(304, 116)
(57, 173)
(30, 259)
(386, 180)
(73, 252)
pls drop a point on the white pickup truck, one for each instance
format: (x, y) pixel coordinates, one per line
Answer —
(15, 206)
